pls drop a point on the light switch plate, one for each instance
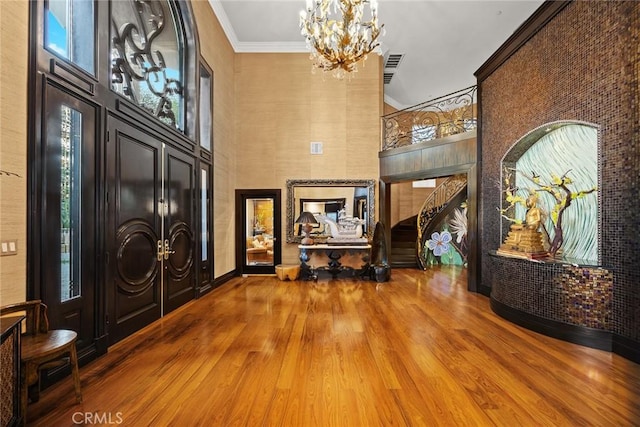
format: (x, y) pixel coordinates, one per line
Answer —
(316, 147)
(8, 247)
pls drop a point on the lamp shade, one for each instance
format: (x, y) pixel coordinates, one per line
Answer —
(306, 218)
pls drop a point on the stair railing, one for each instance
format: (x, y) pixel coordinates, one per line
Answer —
(447, 115)
(433, 205)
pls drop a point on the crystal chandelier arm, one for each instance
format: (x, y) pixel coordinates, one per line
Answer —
(338, 44)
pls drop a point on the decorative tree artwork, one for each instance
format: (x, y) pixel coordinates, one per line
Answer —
(519, 237)
(552, 172)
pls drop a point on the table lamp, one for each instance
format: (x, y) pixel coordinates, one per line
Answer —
(306, 219)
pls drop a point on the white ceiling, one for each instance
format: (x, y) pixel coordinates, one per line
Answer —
(443, 42)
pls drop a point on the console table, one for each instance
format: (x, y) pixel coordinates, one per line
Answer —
(335, 259)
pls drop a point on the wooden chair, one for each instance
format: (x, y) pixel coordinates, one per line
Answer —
(42, 348)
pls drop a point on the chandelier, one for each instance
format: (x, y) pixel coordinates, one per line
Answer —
(337, 35)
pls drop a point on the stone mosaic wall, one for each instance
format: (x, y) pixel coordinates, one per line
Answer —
(583, 65)
(576, 295)
(586, 296)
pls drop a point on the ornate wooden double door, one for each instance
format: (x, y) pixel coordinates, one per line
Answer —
(150, 228)
(120, 165)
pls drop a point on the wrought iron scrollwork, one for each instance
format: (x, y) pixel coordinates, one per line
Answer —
(447, 115)
(438, 200)
(436, 203)
(134, 59)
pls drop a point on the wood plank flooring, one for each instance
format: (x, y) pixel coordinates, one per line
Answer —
(419, 350)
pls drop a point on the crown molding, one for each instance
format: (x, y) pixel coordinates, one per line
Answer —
(392, 102)
(252, 47)
(218, 10)
(271, 47)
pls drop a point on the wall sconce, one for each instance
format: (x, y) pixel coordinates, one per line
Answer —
(306, 219)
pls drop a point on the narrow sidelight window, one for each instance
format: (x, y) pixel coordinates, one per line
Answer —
(205, 108)
(70, 202)
(204, 209)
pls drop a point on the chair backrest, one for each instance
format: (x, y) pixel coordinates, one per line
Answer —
(35, 312)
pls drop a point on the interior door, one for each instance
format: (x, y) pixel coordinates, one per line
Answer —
(179, 221)
(134, 229)
(258, 228)
(67, 250)
(151, 190)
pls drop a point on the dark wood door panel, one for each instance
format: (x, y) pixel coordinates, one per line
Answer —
(137, 278)
(135, 208)
(136, 262)
(180, 187)
(152, 192)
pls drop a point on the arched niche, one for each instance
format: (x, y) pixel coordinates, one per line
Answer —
(560, 162)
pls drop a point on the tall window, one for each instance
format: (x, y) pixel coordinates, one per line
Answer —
(70, 202)
(146, 58)
(206, 108)
(204, 218)
(69, 31)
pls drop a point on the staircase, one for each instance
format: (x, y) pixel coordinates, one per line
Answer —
(404, 236)
(446, 197)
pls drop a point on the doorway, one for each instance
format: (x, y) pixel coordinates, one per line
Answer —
(67, 270)
(151, 190)
(258, 228)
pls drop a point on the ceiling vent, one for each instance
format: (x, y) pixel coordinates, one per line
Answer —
(387, 78)
(393, 60)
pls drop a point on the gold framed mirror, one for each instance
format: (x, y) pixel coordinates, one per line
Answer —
(326, 196)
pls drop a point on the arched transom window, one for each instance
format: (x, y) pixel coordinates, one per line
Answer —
(146, 51)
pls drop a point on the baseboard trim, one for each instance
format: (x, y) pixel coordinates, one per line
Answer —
(626, 348)
(218, 281)
(589, 337)
(484, 290)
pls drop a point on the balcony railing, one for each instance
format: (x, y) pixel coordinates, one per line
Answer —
(447, 115)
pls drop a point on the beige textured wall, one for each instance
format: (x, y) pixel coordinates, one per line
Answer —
(281, 107)
(219, 55)
(407, 201)
(14, 33)
(267, 109)
(388, 109)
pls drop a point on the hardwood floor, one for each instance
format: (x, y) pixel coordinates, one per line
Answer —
(419, 350)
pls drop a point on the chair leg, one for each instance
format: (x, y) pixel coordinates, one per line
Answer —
(34, 391)
(73, 359)
(24, 393)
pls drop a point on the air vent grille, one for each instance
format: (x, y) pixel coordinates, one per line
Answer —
(387, 78)
(394, 60)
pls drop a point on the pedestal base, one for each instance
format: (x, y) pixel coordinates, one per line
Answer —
(520, 254)
(522, 242)
(287, 272)
(335, 259)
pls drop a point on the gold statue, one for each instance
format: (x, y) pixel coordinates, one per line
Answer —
(526, 241)
(533, 216)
